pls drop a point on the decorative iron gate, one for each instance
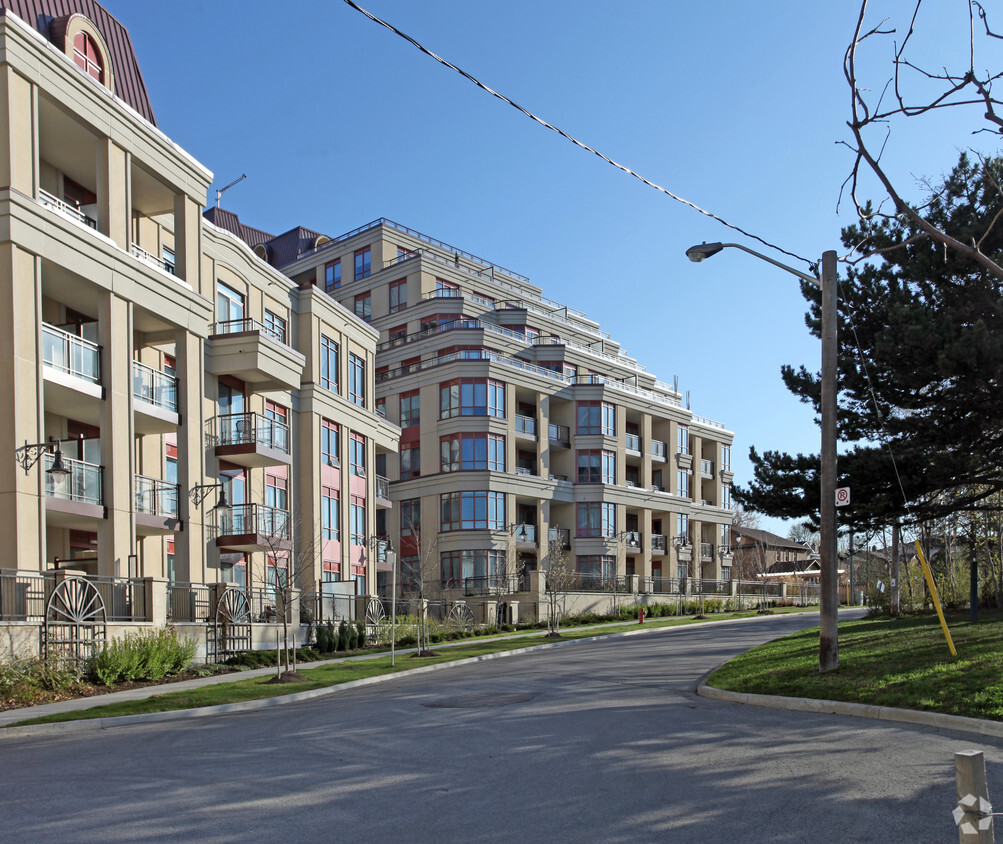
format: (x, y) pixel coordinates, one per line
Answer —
(229, 629)
(76, 622)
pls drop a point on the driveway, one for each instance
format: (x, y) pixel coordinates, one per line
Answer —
(597, 742)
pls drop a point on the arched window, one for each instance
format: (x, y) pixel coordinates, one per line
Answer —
(87, 56)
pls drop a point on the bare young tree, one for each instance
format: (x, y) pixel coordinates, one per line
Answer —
(423, 580)
(560, 579)
(913, 90)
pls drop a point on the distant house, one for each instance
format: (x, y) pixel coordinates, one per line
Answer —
(758, 552)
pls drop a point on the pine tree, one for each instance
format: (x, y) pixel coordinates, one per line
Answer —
(928, 374)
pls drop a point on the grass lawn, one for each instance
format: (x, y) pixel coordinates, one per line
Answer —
(903, 662)
(343, 672)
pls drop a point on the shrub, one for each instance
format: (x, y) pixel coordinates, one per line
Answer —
(353, 637)
(343, 635)
(28, 680)
(147, 655)
(361, 628)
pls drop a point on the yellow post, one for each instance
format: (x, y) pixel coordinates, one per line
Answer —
(936, 598)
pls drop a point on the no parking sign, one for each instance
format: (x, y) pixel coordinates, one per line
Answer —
(842, 496)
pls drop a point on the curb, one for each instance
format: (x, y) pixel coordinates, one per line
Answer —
(93, 724)
(90, 724)
(958, 723)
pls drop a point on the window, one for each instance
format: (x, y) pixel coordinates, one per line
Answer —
(398, 295)
(398, 335)
(357, 454)
(410, 462)
(330, 514)
(410, 573)
(87, 56)
(358, 520)
(726, 458)
(472, 511)
(410, 409)
(364, 306)
(683, 440)
(328, 364)
(599, 567)
(682, 569)
(446, 288)
(277, 435)
(363, 263)
(229, 307)
(356, 380)
(472, 397)
(486, 567)
(725, 572)
(167, 256)
(410, 510)
(329, 450)
(595, 417)
(683, 525)
(275, 326)
(595, 467)
(726, 539)
(726, 496)
(276, 492)
(683, 478)
(472, 451)
(596, 518)
(332, 275)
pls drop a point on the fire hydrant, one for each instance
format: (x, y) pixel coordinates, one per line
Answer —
(640, 615)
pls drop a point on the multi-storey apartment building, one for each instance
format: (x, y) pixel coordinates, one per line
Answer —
(523, 422)
(155, 367)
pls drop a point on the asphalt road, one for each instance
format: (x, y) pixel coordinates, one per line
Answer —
(597, 742)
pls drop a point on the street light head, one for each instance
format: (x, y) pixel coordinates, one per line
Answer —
(222, 505)
(705, 250)
(58, 467)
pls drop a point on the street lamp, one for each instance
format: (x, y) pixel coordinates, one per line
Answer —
(28, 455)
(198, 494)
(828, 652)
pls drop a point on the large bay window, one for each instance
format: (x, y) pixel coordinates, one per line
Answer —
(476, 510)
(472, 397)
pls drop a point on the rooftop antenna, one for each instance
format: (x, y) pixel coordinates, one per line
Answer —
(221, 191)
(675, 383)
(687, 399)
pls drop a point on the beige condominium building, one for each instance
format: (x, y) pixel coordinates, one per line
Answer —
(525, 427)
(154, 367)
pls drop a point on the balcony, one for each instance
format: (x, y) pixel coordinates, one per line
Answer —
(559, 435)
(155, 400)
(67, 209)
(658, 450)
(383, 491)
(707, 469)
(151, 259)
(250, 439)
(249, 350)
(525, 427)
(659, 543)
(252, 527)
(71, 369)
(156, 506)
(74, 500)
(706, 552)
(633, 445)
(562, 537)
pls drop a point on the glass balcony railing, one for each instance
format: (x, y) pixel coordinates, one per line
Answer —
(83, 483)
(707, 468)
(155, 387)
(658, 542)
(633, 442)
(155, 497)
(560, 434)
(562, 536)
(525, 425)
(382, 487)
(259, 519)
(658, 448)
(71, 354)
(251, 429)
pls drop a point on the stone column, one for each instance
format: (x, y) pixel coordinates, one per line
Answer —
(190, 563)
(116, 536)
(114, 192)
(19, 113)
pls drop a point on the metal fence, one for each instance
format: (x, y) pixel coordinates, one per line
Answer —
(23, 596)
(191, 602)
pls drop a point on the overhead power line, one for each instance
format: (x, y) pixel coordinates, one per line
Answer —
(568, 137)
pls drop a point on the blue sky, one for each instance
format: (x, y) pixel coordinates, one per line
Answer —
(737, 106)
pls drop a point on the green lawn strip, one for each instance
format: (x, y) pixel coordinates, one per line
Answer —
(902, 662)
(334, 674)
